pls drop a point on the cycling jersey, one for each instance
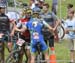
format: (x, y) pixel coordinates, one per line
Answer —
(24, 35)
(5, 27)
(4, 23)
(35, 27)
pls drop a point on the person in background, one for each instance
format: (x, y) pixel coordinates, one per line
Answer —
(32, 4)
(69, 7)
(53, 21)
(70, 31)
(54, 6)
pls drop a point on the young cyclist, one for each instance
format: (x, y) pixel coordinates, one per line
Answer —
(70, 31)
(26, 34)
(35, 26)
(4, 32)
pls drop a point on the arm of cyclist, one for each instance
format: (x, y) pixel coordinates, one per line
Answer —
(20, 30)
(16, 28)
(47, 25)
(56, 21)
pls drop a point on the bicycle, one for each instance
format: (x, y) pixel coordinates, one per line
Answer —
(14, 56)
(3, 40)
(40, 57)
(60, 30)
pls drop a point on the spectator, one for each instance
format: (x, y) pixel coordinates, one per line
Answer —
(32, 4)
(70, 31)
(54, 6)
(70, 7)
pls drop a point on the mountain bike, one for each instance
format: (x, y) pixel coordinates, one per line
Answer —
(60, 30)
(14, 56)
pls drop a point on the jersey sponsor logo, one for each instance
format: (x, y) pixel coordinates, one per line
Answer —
(20, 42)
(35, 23)
(36, 35)
(3, 18)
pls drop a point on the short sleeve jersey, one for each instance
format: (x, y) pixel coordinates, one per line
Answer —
(70, 24)
(4, 23)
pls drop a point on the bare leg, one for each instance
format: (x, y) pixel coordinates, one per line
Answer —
(46, 57)
(72, 55)
(28, 55)
(10, 44)
(32, 59)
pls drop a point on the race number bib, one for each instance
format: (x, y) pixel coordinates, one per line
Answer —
(20, 42)
(1, 34)
(36, 35)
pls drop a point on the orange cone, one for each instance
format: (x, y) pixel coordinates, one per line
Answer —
(52, 58)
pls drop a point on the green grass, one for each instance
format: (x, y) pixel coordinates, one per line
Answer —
(62, 51)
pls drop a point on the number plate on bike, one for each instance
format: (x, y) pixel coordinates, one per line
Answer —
(1, 34)
(20, 42)
(36, 35)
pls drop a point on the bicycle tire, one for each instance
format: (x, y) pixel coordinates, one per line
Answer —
(10, 57)
(61, 32)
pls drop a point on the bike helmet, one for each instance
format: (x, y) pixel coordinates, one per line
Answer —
(28, 10)
(36, 10)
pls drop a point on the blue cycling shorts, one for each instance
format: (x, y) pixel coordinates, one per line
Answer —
(34, 42)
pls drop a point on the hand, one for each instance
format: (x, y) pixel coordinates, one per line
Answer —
(54, 29)
(66, 31)
(12, 34)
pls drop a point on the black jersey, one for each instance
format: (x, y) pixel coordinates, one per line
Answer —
(4, 23)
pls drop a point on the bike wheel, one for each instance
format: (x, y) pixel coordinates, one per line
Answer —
(61, 32)
(12, 57)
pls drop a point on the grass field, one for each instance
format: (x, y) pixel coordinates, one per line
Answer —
(62, 52)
